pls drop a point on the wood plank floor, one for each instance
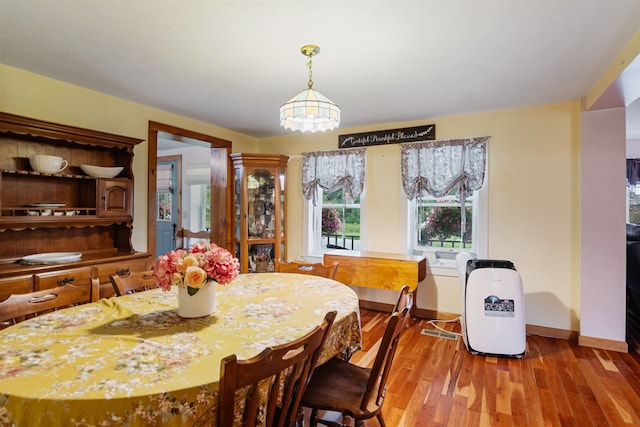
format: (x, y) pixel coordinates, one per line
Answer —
(437, 382)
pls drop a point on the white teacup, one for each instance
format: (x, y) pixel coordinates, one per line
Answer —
(47, 164)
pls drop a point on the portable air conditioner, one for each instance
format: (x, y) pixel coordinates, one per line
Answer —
(493, 314)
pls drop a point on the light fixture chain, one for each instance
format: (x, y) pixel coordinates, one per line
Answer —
(309, 64)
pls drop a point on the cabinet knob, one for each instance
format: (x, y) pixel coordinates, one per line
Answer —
(66, 281)
(123, 272)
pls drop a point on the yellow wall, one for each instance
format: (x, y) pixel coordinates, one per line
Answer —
(532, 183)
(33, 95)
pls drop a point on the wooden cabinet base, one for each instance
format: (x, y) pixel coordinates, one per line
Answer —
(16, 278)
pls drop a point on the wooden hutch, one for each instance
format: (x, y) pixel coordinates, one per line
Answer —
(65, 212)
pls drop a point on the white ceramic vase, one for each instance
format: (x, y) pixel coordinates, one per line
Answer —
(202, 303)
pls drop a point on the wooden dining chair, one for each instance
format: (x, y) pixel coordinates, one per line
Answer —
(355, 392)
(278, 374)
(133, 282)
(19, 307)
(185, 237)
(315, 269)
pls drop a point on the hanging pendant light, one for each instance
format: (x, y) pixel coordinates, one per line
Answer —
(309, 111)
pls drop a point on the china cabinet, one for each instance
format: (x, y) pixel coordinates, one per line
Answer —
(259, 203)
(63, 212)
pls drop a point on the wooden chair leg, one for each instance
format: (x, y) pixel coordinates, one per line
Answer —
(381, 420)
(313, 419)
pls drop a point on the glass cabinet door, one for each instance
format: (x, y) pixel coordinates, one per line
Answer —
(260, 205)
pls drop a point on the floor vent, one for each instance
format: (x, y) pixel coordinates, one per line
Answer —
(440, 334)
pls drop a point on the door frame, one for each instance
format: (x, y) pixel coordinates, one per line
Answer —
(221, 192)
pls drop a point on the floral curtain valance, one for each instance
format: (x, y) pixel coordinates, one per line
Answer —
(331, 170)
(633, 171)
(437, 168)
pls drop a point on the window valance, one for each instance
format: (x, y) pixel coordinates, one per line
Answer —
(437, 168)
(331, 170)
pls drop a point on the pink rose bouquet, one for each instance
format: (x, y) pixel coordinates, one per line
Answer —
(192, 269)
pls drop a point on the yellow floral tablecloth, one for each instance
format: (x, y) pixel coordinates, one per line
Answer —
(131, 361)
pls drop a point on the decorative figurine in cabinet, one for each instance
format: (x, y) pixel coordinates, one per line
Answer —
(259, 203)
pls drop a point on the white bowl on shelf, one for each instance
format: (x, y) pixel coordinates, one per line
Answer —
(101, 171)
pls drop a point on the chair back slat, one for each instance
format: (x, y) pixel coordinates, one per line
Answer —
(133, 282)
(18, 307)
(286, 368)
(106, 289)
(184, 237)
(315, 269)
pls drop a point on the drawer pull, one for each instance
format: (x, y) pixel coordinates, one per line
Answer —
(66, 281)
(43, 298)
(124, 272)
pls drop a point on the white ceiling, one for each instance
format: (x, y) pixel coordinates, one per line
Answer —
(233, 63)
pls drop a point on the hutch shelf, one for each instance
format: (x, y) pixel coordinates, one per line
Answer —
(68, 211)
(259, 203)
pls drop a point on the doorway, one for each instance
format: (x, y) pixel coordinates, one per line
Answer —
(220, 194)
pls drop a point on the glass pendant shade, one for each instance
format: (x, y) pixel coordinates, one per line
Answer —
(309, 111)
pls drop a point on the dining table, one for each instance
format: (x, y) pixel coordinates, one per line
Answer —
(132, 361)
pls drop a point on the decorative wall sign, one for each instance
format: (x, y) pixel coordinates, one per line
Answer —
(392, 136)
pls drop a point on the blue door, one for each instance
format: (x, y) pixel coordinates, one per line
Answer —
(167, 206)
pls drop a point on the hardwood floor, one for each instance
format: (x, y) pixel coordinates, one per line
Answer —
(437, 382)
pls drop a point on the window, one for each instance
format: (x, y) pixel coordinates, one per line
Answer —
(335, 223)
(442, 179)
(435, 226)
(333, 182)
(206, 208)
(440, 224)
